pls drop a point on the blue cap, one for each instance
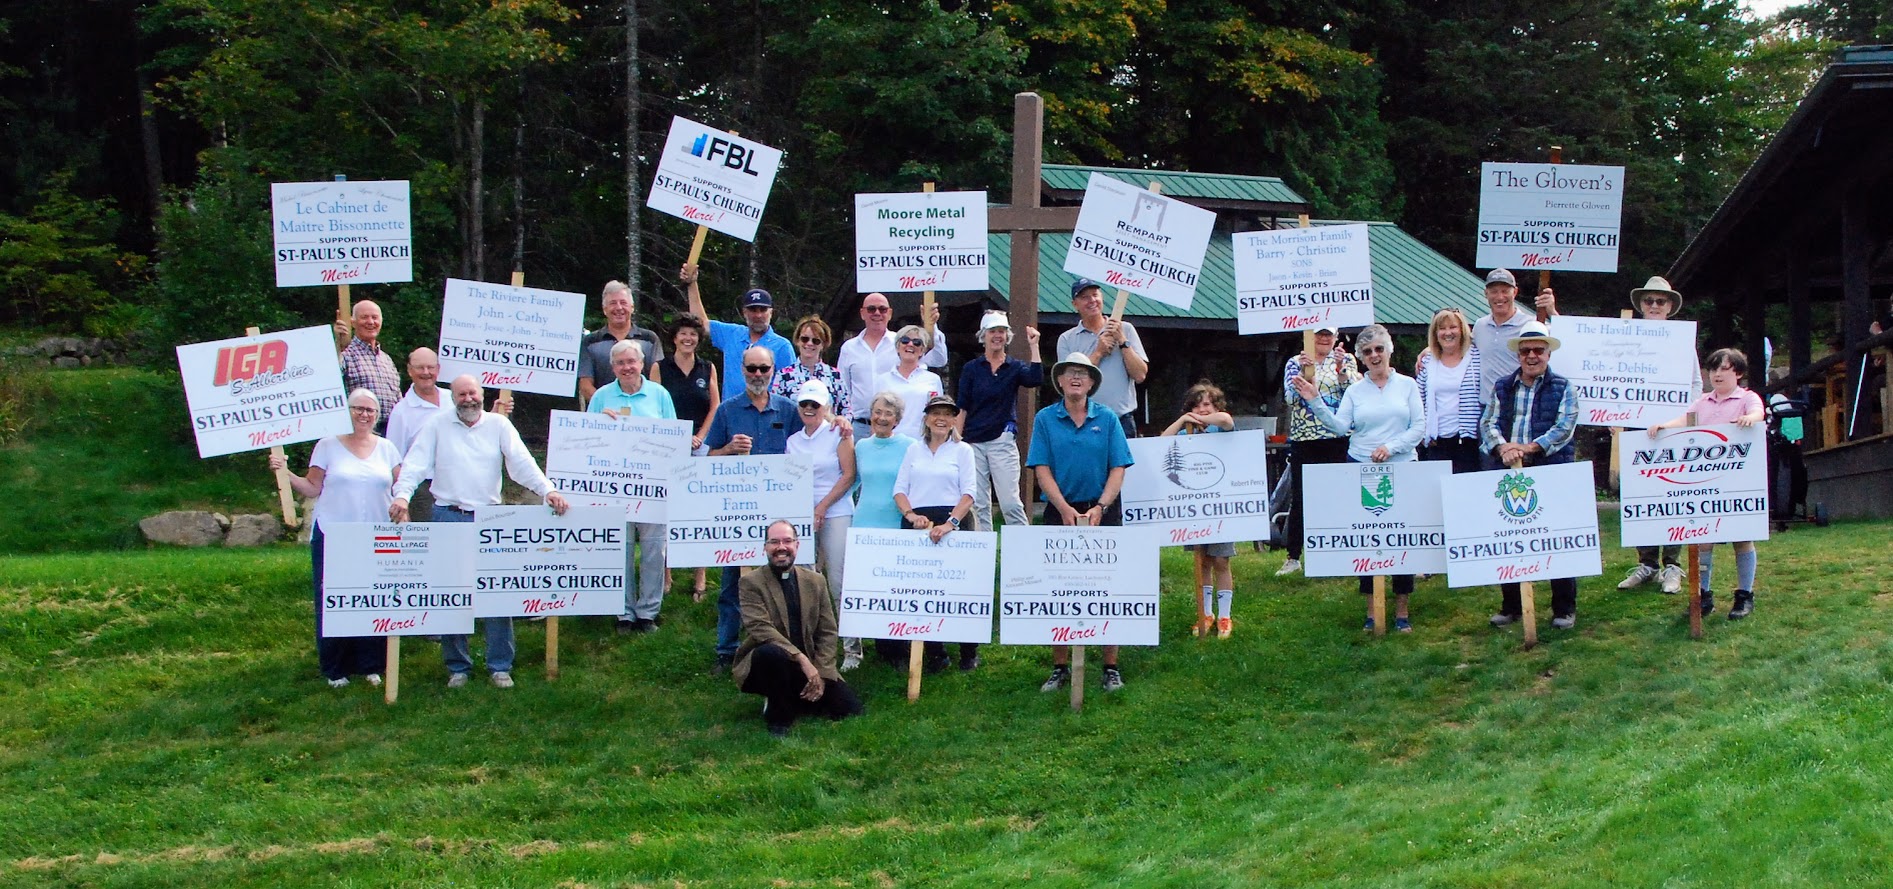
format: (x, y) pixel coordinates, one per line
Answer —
(1079, 285)
(758, 297)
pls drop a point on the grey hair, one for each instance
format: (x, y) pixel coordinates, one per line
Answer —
(993, 312)
(890, 401)
(363, 390)
(612, 287)
(919, 333)
(1371, 334)
(625, 344)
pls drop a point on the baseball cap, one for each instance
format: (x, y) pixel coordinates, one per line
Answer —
(757, 297)
(812, 390)
(1500, 276)
(1081, 284)
(994, 319)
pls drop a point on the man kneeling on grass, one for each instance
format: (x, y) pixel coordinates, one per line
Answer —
(789, 639)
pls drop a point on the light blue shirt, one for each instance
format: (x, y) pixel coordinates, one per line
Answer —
(733, 339)
(651, 400)
(1080, 455)
(877, 464)
(1372, 415)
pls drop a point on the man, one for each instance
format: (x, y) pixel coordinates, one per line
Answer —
(594, 350)
(789, 640)
(1491, 332)
(1657, 301)
(463, 453)
(1531, 416)
(754, 421)
(425, 400)
(364, 365)
(1113, 348)
(732, 339)
(989, 394)
(1310, 441)
(870, 353)
(1078, 453)
(630, 395)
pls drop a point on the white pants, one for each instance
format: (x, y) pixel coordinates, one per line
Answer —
(996, 466)
(831, 558)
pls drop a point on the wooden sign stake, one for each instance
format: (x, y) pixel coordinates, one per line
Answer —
(391, 679)
(1527, 594)
(344, 312)
(1692, 573)
(1544, 275)
(915, 649)
(284, 496)
(1307, 336)
(926, 318)
(1379, 605)
(1616, 450)
(1078, 651)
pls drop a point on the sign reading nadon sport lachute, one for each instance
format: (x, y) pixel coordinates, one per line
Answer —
(1396, 525)
(519, 338)
(920, 241)
(1627, 372)
(1302, 278)
(720, 508)
(1139, 241)
(602, 460)
(1697, 484)
(341, 233)
(1514, 525)
(413, 579)
(902, 585)
(1553, 217)
(713, 178)
(254, 392)
(1199, 488)
(1061, 585)
(531, 562)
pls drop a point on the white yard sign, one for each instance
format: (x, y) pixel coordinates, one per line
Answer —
(532, 562)
(508, 337)
(1395, 524)
(1062, 585)
(1699, 484)
(1553, 217)
(902, 585)
(413, 579)
(341, 233)
(720, 508)
(713, 178)
(1302, 278)
(1136, 240)
(1513, 525)
(920, 241)
(602, 460)
(1627, 372)
(1199, 488)
(253, 392)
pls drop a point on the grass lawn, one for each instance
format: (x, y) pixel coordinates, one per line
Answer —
(163, 725)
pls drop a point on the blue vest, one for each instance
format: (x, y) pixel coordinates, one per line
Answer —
(1544, 412)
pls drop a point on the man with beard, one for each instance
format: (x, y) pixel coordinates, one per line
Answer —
(754, 421)
(789, 639)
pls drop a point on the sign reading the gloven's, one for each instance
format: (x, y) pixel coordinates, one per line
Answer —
(713, 178)
(1513, 525)
(509, 337)
(600, 459)
(1140, 241)
(341, 233)
(254, 392)
(1199, 488)
(720, 508)
(1302, 278)
(532, 562)
(920, 241)
(902, 585)
(1555, 217)
(1698, 484)
(413, 579)
(1061, 585)
(1627, 372)
(1396, 526)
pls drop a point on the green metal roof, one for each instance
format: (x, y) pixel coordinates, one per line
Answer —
(1411, 280)
(1182, 185)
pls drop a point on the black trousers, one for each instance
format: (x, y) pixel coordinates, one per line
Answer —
(895, 651)
(1463, 453)
(1306, 453)
(1564, 598)
(1402, 584)
(775, 676)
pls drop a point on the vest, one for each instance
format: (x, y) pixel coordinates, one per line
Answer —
(1544, 412)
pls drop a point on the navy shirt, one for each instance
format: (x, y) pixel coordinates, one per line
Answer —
(768, 430)
(991, 397)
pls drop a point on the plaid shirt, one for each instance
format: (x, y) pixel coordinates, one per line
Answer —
(1523, 399)
(367, 367)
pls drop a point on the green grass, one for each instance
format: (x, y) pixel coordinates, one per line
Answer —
(163, 725)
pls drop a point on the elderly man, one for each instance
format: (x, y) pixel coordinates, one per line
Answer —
(870, 353)
(1492, 331)
(1530, 416)
(425, 400)
(989, 393)
(1656, 300)
(631, 395)
(1078, 454)
(754, 421)
(732, 339)
(594, 350)
(364, 364)
(789, 640)
(463, 452)
(1113, 348)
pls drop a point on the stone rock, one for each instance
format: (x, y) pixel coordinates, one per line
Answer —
(185, 528)
(67, 362)
(256, 529)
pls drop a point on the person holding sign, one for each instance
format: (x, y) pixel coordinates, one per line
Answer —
(1078, 454)
(830, 449)
(1657, 301)
(912, 382)
(364, 364)
(694, 392)
(631, 396)
(1726, 402)
(878, 459)
(812, 336)
(789, 640)
(1384, 419)
(934, 492)
(594, 350)
(1207, 411)
(463, 453)
(1113, 347)
(1309, 440)
(751, 422)
(734, 339)
(1492, 332)
(871, 353)
(1530, 417)
(1448, 375)
(349, 476)
(989, 395)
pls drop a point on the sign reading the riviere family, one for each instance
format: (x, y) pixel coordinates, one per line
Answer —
(720, 508)
(1513, 525)
(715, 179)
(932, 240)
(1699, 484)
(1199, 488)
(253, 392)
(1302, 278)
(412, 579)
(519, 338)
(341, 233)
(1061, 585)
(1556, 217)
(1139, 241)
(1628, 372)
(1396, 525)
(902, 585)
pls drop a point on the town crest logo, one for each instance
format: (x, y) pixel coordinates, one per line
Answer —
(1376, 488)
(1517, 500)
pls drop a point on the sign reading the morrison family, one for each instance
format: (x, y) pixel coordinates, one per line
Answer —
(1302, 278)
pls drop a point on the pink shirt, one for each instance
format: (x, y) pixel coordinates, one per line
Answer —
(1710, 410)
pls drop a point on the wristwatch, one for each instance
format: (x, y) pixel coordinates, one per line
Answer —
(954, 522)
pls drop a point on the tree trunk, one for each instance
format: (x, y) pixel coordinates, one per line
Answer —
(153, 155)
(633, 169)
(519, 180)
(476, 186)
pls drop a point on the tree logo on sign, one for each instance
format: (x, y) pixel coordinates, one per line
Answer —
(1195, 472)
(1517, 500)
(1376, 489)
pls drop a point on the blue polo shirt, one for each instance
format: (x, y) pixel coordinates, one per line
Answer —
(651, 400)
(1080, 456)
(733, 339)
(990, 397)
(768, 430)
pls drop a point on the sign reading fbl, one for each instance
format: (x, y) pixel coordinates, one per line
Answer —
(714, 179)
(255, 392)
(341, 233)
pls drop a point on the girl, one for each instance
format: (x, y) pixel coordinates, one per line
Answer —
(1726, 402)
(1205, 410)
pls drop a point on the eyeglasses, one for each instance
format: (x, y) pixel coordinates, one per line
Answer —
(877, 309)
(1532, 350)
(362, 410)
(910, 341)
(759, 368)
(813, 340)
(782, 541)
(1373, 350)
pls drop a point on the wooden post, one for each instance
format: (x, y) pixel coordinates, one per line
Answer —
(1693, 571)
(344, 311)
(1078, 659)
(391, 679)
(915, 651)
(1307, 341)
(926, 318)
(1616, 453)
(1527, 594)
(552, 623)
(1544, 275)
(1379, 605)
(284, 496)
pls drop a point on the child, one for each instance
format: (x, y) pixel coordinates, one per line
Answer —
(1727, 402)
(1206, 411)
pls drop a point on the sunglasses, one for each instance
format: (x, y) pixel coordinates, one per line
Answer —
(910, 341)
(759, 368)
(877, 309)
(810, 405)
(1532, 350)
(815, 340)
(1373, 350)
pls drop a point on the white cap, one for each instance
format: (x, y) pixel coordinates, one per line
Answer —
(992, 319)
(812, 390)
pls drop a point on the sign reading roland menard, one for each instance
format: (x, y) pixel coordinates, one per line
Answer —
(1554, 217)
(920, 241)
(341, 233)
(713, 178)
(1061, 585)
(1140, 241)
(510, 337)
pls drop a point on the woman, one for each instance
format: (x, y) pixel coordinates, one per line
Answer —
(1448, 378)
(1206, 410)
(352, 478)
(1383, 418)
(934, 491)
(1309, 442)
(692, 385)
(877, 463)
(812, 337)
(831, 454)
(912, 382)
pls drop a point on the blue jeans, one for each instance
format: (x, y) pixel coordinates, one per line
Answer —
(729, 612)
(499, 630)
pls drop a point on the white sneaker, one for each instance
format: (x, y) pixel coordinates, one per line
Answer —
(850, 662)
(456, 680)
(1672, 579)
(374, 679)
(339, 683)
(1289, 567)
(502, 679)
(1637, 577)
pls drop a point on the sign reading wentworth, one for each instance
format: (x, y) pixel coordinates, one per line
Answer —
(1512, 525)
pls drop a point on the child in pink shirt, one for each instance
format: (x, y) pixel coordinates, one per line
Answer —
(1727, 402)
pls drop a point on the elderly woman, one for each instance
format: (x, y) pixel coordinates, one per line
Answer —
(830, 449)
(934, 491)
(352, 478)
(812, 337)
(910, 380)
(877, 462)
(691, 382)
(1448, 378)
(1309, 442)
(1383, 417)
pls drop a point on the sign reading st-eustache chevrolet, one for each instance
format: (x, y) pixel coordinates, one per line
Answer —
(1139, 241)
(714, 178)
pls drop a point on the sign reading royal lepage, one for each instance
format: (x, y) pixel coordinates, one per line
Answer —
(1627, 372)
(902, 585)
(1512, 525)
(1559, 217)
(1698, 484)
(1301, 278)
(714, 178)
(720, 508)
(532, 562)
(1140, 241)
(604, 460)
(1199, 488)
(412, 579)
(511, 337)
(932, 240)
(341, 233)
(253, 392)
(1062, 585)
(1396, 525)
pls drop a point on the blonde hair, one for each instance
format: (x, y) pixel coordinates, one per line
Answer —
(1432, 331)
